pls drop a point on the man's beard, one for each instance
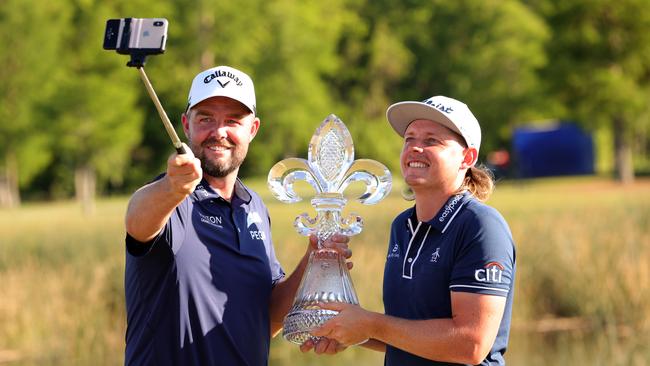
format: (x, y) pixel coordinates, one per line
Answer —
(219, 169)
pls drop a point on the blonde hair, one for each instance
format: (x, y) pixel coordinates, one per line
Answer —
(479, 181)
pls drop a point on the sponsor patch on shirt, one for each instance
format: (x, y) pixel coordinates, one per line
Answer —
(253, 218)
(212, 220)
(435, 256)
(491, 272)
(394, 253)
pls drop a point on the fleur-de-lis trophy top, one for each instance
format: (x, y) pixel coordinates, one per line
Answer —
(330, 168)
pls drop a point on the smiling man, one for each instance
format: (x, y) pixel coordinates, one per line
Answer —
(203, 285)
(450, 267)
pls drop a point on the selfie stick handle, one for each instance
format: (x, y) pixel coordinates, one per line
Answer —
(168, 125)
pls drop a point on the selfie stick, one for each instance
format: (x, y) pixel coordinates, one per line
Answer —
(168, 125)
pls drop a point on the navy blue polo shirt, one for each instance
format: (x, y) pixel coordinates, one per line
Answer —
(199, 293)
(466, 247)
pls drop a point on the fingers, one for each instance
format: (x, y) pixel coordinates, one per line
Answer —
(322, 346)
(313, 241)
(319, 346)
(180, 160)
(331, 346)
(336, 306)
(340, 243)
(188, 151)
(307, 346)
(327, 346)
(339, 239)
(326, 329)
(321, 331)
(346, 328)
(184, 171)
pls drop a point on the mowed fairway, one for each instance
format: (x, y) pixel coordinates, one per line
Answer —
(583, 259)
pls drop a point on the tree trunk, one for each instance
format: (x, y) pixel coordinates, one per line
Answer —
(623, 165)
(9, 193)
(85, 183)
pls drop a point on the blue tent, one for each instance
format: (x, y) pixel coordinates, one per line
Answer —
(561, 148)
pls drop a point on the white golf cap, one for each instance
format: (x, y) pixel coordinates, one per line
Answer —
(222, 81)
(448, 112)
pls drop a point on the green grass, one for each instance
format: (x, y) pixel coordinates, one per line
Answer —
(583, 251)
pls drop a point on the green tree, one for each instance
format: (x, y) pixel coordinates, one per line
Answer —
(485, 53)
(373, 59)
(601, 68)
(30, 37)
(98, 120)
(201, 34)
(298, 53)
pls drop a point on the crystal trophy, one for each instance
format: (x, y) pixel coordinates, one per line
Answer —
(330, 168)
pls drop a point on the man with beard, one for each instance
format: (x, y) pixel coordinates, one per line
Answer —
(203, 285)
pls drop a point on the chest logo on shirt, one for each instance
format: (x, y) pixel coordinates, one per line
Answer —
(255, 218)
(211, 220)
(435, 256)
(394, 253)
(492, 272)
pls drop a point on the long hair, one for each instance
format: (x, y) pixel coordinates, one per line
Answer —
(479, 181)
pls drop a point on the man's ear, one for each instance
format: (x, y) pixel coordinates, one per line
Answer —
(470, 158)
(255, 126)
(185, 120)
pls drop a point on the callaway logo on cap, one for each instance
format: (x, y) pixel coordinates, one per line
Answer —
(222, 81)
(449, 112)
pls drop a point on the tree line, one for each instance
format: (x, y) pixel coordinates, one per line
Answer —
(76, 120)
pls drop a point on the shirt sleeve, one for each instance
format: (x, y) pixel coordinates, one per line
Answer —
(171, 235)
(485, 259)
(277, 273)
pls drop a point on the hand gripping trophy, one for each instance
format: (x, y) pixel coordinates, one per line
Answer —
(330, 168)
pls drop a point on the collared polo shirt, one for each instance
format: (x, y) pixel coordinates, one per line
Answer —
(466, 247)
(199, 293)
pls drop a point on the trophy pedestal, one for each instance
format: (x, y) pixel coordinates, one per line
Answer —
(326, 279)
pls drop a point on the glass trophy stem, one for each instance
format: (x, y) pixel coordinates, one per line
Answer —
(326, 279)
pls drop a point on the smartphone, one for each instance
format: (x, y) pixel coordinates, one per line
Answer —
(144, 36)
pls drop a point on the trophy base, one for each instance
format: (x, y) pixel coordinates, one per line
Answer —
(299, 323)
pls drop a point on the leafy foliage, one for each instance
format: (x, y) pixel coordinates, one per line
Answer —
(65, 103)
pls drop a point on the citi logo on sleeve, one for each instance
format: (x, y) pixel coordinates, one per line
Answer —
(492, 272)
